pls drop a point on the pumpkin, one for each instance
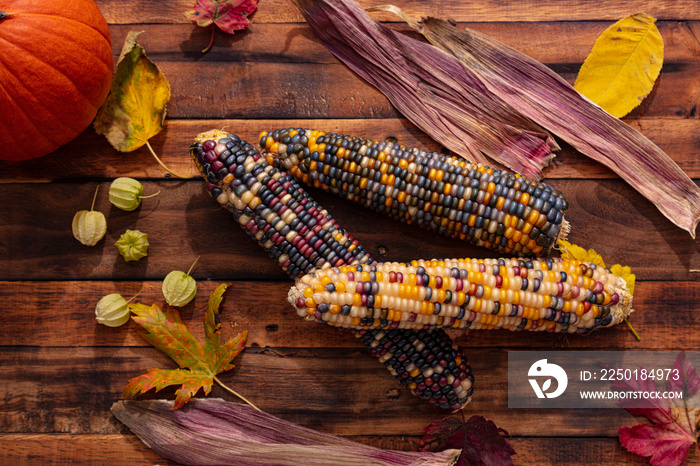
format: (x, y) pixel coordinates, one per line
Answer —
(56, 70)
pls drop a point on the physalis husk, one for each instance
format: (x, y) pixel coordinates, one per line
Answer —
(89, 226)
(132, 245)
(179, 287)
(126, 193)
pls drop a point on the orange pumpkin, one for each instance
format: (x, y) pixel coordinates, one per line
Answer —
(56, 70)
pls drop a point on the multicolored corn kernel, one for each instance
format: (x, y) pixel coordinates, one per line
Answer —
(271, 206)
(424, 361)
(488, 207)
(553, 295)
(265, 216)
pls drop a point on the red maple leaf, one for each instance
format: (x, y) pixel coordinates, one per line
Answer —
(229, 15)
(674, 427)
(480, 440)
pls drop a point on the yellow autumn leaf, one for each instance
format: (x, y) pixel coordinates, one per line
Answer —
(136, 105)
(623, 65)
(574, 252)
(626, 273)
(135, 108)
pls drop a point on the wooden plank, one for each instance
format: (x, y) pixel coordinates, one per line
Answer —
(662, 309)
(299, 78)
(95, 449)
(90, 156)
(579, 452)
(547, 450)
(116, 449)
(564, 45)
(229, 89)
(183, 222)
(283, 11)
(341, 391)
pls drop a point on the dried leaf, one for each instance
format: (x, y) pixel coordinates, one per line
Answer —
(430, 88)
(480, 439)
(536, 92)
(574, 252)
(135, 108)
(229, 15)
(623, 65)
(199, 364)
(626, 273)
(674, 427)
(213, 431)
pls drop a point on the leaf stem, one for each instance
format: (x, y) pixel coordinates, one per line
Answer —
(161, 163)
(134, 297)
(94, 197)
(150, 195)
(211, 41)
(192, 266)
(464, 428)
(634, 332)
(216, 379)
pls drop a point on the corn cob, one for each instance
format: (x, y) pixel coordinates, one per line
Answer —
(488, 207)
(301, 236)
(552, 294)
(271, 206)
(424, 361)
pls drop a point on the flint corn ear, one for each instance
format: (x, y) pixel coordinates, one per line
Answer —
(488, 207)
(552, 295)
(425, 362)
(301, 236)
(271, 206)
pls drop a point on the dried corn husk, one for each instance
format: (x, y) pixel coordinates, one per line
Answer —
(431, 88)
(540, 94)
(500, 75)
(213, 431)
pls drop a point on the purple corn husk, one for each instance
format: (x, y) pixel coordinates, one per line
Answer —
(213, 431)
(540, 94)
(495, 85)
(431, 88)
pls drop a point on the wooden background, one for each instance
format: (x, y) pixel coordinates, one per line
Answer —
(61, 371)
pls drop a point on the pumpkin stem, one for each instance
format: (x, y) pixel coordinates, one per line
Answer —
(4, 15)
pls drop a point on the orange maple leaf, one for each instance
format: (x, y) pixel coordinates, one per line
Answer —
(199, 365)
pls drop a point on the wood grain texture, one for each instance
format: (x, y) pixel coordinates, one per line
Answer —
(308, 90)
(283, 11)
(95, 449)
(661, 309)
(110, 448)
(306, 80)
(61, 370)
(91, 157)
(562, 44)
(184, 218)
(341, 391)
